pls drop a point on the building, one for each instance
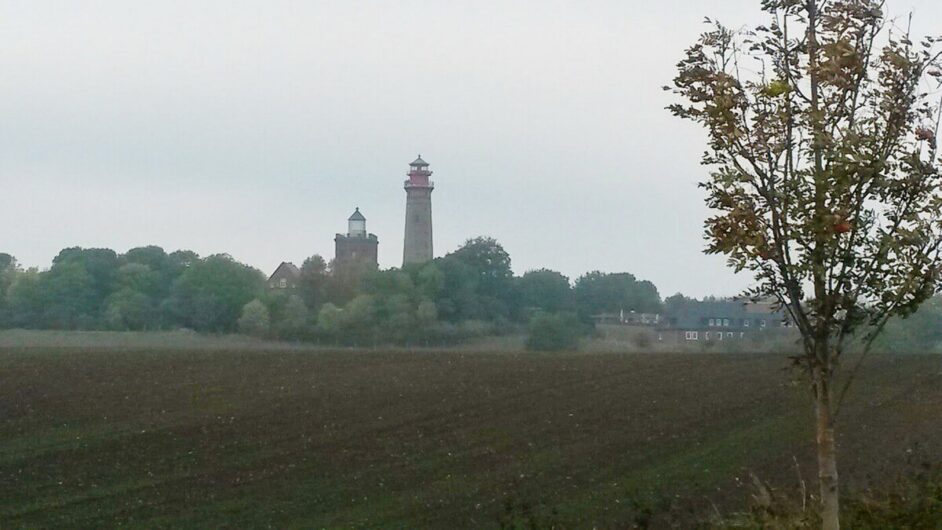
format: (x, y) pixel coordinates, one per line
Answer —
(285, 277)
(357, 249)
(418, 236)
(627, 318)
(720, 320)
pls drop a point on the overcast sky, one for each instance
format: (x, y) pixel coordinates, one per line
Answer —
(255, 128)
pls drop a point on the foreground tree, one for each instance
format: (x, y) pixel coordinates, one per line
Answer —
(824, 175)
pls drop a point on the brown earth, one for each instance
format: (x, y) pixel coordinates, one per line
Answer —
(242, 438)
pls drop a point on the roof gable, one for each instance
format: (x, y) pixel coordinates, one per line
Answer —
(286, 270)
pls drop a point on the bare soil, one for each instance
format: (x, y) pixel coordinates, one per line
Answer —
(291, 438)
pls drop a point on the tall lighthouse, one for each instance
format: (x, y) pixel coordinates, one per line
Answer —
(418, 241)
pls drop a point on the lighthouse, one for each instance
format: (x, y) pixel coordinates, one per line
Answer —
(418, 240)
(356, 250)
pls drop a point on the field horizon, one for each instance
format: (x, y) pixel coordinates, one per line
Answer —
(176, 435)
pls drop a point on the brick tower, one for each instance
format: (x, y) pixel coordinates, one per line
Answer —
(418, 240)
(357, 249)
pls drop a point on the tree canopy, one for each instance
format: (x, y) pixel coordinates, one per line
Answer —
(465, 294)
(598, 292)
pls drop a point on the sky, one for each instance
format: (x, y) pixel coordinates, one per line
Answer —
(255, 128)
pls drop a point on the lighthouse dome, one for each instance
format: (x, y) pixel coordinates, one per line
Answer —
(356, 225)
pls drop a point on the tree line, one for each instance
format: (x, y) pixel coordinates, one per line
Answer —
(469, 292)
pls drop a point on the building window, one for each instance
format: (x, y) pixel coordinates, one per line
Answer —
(725, 322)
(691, 335)
(719, 335)
(706, 336)
(762, 323)
(741, 334)
(745, 323)
(283, 283)
(729, 334)
(712, 322)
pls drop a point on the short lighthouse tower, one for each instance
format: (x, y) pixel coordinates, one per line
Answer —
(418, 240)
(357, 249)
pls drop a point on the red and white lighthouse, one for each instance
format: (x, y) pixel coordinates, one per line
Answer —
(418, 238)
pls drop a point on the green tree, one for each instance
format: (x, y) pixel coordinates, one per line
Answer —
(210, 294)
(129, 309)
(139, 277)
(255, 320)
(76, 286)
(165, 268)
(545, 290)
(920, 332)
(358, 320)
(8, 272)
(68, 296)
(824, 177)
(554, 332)
(674, 303)
(457, 299)
(430, 281)
(491, 264)
(25, 300)
(330, 321)
(182, 259)
(313, 282)
(426, 314)
(294, 319)
(399, 322)
(598, 292)
(478, 282)
(388, 283)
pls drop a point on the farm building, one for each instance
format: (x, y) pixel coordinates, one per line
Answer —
(719, 320)
(627, 318)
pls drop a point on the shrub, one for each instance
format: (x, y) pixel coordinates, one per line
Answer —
(554, 332)
(255, 320)
(912, 502)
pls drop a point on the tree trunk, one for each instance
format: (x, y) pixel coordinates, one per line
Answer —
(827, 455)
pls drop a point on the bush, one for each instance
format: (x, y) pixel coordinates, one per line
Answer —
(293, 322)
(912, 502)
(255, 320)
(554, 332)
